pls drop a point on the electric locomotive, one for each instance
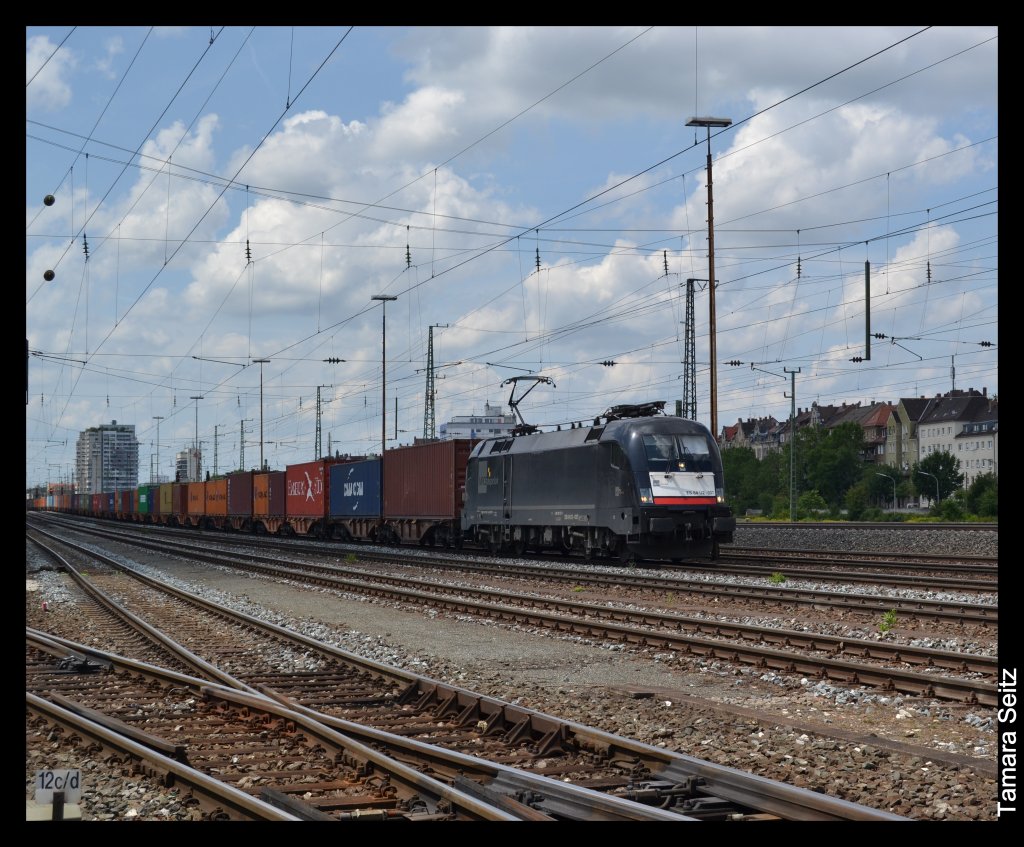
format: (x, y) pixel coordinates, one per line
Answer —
(638, 484)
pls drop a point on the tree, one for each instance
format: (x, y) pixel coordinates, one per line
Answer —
(982, 496)
(941, 467)
(741, 470)
(831, 459)
(880, 482)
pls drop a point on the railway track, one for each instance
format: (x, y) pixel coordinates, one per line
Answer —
(247, 745)
(690, 787)
(877, 664)
(943, 610)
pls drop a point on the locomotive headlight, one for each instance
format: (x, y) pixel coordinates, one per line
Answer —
(720, 495)
(645, 495)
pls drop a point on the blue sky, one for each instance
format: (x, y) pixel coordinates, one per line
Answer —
(534, 193)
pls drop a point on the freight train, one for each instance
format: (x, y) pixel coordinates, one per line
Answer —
(635, 485)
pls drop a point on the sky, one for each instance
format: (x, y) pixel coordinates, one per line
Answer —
(222, 195)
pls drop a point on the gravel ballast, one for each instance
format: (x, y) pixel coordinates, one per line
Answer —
(917, 757)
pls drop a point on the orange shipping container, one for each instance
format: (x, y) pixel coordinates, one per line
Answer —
(197, 498)
(217, 497)
(268, 493)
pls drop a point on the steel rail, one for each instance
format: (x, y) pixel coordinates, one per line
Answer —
(214, 796)
(671, 770)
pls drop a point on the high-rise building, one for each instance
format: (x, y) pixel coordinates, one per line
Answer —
(187, 465)
(106, 458)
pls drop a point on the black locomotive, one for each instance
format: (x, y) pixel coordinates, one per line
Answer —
(637, 484)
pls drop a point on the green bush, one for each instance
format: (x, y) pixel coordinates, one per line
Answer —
(811, 504)
(856, 502)
(951, 510)
(988, 504)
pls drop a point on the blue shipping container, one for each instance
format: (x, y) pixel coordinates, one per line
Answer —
(355, 489)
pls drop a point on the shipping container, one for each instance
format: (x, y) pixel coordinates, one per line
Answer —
(426, 480)
(110, 503)
(179, 501)
(166, 499)
(196, 499)
(149, 496)
(96, 506)
(269, 493)
(124, 503)
(306, 493)
(240, 494)
(355, 489)
(217, 497)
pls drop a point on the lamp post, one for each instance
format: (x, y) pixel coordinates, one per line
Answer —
(261, 363)
(893, 481)
(708, 123)
(157, 418)
(195, 445)
(933, 476)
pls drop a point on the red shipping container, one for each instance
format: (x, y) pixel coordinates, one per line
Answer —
(426, 480)
(240, 494)
(179, 498)
(217, 497)
(306, 493)
(97, 504)
(197, 498)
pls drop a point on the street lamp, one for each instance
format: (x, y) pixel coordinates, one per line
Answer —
(708, 123)
(261, 363)
(157, 418)
(933, 476)
(195, 446)
(893, 481)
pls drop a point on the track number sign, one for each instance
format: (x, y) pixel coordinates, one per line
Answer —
(68, 781)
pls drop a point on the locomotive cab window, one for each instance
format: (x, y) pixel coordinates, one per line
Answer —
(671, 453)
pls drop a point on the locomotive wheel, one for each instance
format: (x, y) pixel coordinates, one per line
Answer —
(518, 547)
